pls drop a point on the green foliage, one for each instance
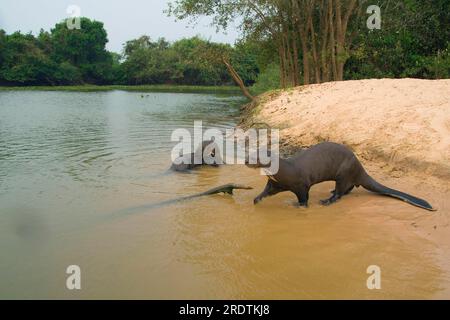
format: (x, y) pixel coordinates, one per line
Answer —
(84, 49)
(412, 42)
(189, 61)
(22, 61)
(267, 80)
(66, 73)
(196, 65)
(62, 56)
(245, 58)
(67, 57)
(438, 65)
(147, 62)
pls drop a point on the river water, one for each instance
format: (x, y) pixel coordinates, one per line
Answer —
(71, 163)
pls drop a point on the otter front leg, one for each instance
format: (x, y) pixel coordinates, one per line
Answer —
(270, 190)
(302, 196)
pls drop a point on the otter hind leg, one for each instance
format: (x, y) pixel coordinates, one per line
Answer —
(330, 200)
(342, 189)
(349, 190)
(333, 192)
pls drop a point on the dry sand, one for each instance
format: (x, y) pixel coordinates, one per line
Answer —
(402, 122)
(398, 128)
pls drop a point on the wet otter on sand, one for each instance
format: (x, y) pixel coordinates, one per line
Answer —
(327, 161)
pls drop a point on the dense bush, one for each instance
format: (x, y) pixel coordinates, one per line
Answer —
(268, 79)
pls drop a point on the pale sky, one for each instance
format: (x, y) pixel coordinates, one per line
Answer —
(123, 20)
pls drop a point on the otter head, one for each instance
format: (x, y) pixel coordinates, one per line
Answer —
(253, 160)
(210, 152)
(210, 147)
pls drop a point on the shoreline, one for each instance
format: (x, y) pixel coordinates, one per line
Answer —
(399, 130)
(132, 88)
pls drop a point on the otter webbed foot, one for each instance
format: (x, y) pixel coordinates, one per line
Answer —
(330, 200)
(257, 200)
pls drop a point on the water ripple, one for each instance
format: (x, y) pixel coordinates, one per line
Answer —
(85, 137)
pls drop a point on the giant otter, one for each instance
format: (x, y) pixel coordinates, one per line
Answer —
(327, 161)
(186, 162)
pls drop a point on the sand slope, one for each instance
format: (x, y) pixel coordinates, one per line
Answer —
(401, 123)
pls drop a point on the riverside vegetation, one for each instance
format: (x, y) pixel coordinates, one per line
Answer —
(282, 44)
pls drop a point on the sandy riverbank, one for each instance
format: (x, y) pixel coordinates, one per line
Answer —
(399, 129)
(402, 122)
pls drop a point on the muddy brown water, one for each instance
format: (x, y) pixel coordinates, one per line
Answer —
(68, 161)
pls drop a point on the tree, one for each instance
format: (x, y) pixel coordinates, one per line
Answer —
(194, 68)
(83, 48)
(245, 58)
(186, 61)
(23, 61)
(412, 42)
(290, 24)
(148, 62)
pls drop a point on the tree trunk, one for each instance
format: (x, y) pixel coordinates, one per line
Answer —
(314, 52)
(332, 41)
(324, 54)
(282, 67)
(342, 19)
(295, 58)
(290, 62)
(237, 79)
(305, 53)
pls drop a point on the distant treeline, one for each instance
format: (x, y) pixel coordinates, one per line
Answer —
(283, 43)
(73, 57)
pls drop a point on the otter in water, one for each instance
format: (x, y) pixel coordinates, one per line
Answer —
(327, 161)
(186, 162)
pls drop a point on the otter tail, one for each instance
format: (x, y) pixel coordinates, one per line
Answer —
(370, 184)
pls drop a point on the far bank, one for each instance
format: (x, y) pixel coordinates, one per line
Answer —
(137, 88)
